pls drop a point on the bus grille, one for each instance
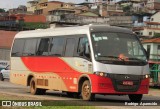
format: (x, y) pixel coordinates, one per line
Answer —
(118, 82)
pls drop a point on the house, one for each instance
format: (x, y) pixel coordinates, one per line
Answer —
(50, 7)
(106, 10)
(20, 10)
(153, 5)
(138, 20)
(152, 47)
(150, 27)
(31, 6)
(155, 17)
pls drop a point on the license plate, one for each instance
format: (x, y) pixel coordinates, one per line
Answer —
(129, 83)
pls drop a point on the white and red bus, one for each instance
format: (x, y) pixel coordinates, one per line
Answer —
(84, 60)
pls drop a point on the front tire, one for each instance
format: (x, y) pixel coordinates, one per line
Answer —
(86, 91)
(135, 97)
(34, 90)
(1, 77)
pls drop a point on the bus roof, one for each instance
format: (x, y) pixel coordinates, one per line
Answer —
(71, 31)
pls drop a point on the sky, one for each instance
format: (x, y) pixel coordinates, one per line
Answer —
(8, 4)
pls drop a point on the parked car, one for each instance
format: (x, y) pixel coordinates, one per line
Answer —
(4, 73)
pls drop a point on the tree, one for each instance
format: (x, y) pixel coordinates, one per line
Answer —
(156, 35)
(127, 9)
(2, 10)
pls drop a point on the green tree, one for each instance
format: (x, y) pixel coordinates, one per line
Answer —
(156, 35)
(2, 10)
(127, 9)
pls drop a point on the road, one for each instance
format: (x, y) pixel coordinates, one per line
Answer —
(103, 101)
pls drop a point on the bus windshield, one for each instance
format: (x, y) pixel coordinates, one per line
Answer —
(118, 48)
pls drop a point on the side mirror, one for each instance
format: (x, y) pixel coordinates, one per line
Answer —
(147, 53)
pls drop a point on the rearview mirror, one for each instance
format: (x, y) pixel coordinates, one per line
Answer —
(147, 53)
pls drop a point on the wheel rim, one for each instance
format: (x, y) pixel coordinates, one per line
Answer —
(32, 87)
(86, 91)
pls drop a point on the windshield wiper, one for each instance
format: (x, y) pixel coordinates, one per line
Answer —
(136, 59)
(114, 57)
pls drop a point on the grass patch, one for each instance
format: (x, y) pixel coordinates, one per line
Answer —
(56, 104)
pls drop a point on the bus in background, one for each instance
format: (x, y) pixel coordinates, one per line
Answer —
(84, 60)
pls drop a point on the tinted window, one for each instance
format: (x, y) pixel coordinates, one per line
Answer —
(82, 42)
(18, 47)
(56, 48)
(30, 47)
(43, 45)
(70, 47)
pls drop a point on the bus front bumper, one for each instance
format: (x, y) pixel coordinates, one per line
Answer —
(105, 85)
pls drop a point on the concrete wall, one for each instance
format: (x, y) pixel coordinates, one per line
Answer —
(6, 38)
(5, 54)
(155, 17)
(35, 18)
(146, 31)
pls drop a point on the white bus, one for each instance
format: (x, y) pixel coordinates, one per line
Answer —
(86, 60)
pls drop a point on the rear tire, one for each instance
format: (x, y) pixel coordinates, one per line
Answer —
(135, 97)
(34, 90)
(86, 91)
(1, 77)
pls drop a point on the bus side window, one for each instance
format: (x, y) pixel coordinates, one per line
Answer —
(70, 45)
(30, 47)
(57, 46)
(18, 47)
(83, 47)
(43, 47)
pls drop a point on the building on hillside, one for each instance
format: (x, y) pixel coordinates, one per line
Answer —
(150, 28)
(134, 6)
(46, 7)
(153, 5)
(31, 6)
(22, 22)
(6, 39)
(155, 17)
(80, 9)
(82, 18)
(152, 47)
(122, 21)
(106, 10)
(20, 10)
(138, 20)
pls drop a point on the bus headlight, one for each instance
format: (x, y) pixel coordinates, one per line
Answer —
(101, 74)
(146, 76)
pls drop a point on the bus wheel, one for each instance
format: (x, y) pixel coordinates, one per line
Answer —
(34, 90)
(1, 77)
(86, 91)
(135, 97)
(73, 94)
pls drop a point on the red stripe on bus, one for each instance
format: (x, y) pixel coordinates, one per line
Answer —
(52, 64)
